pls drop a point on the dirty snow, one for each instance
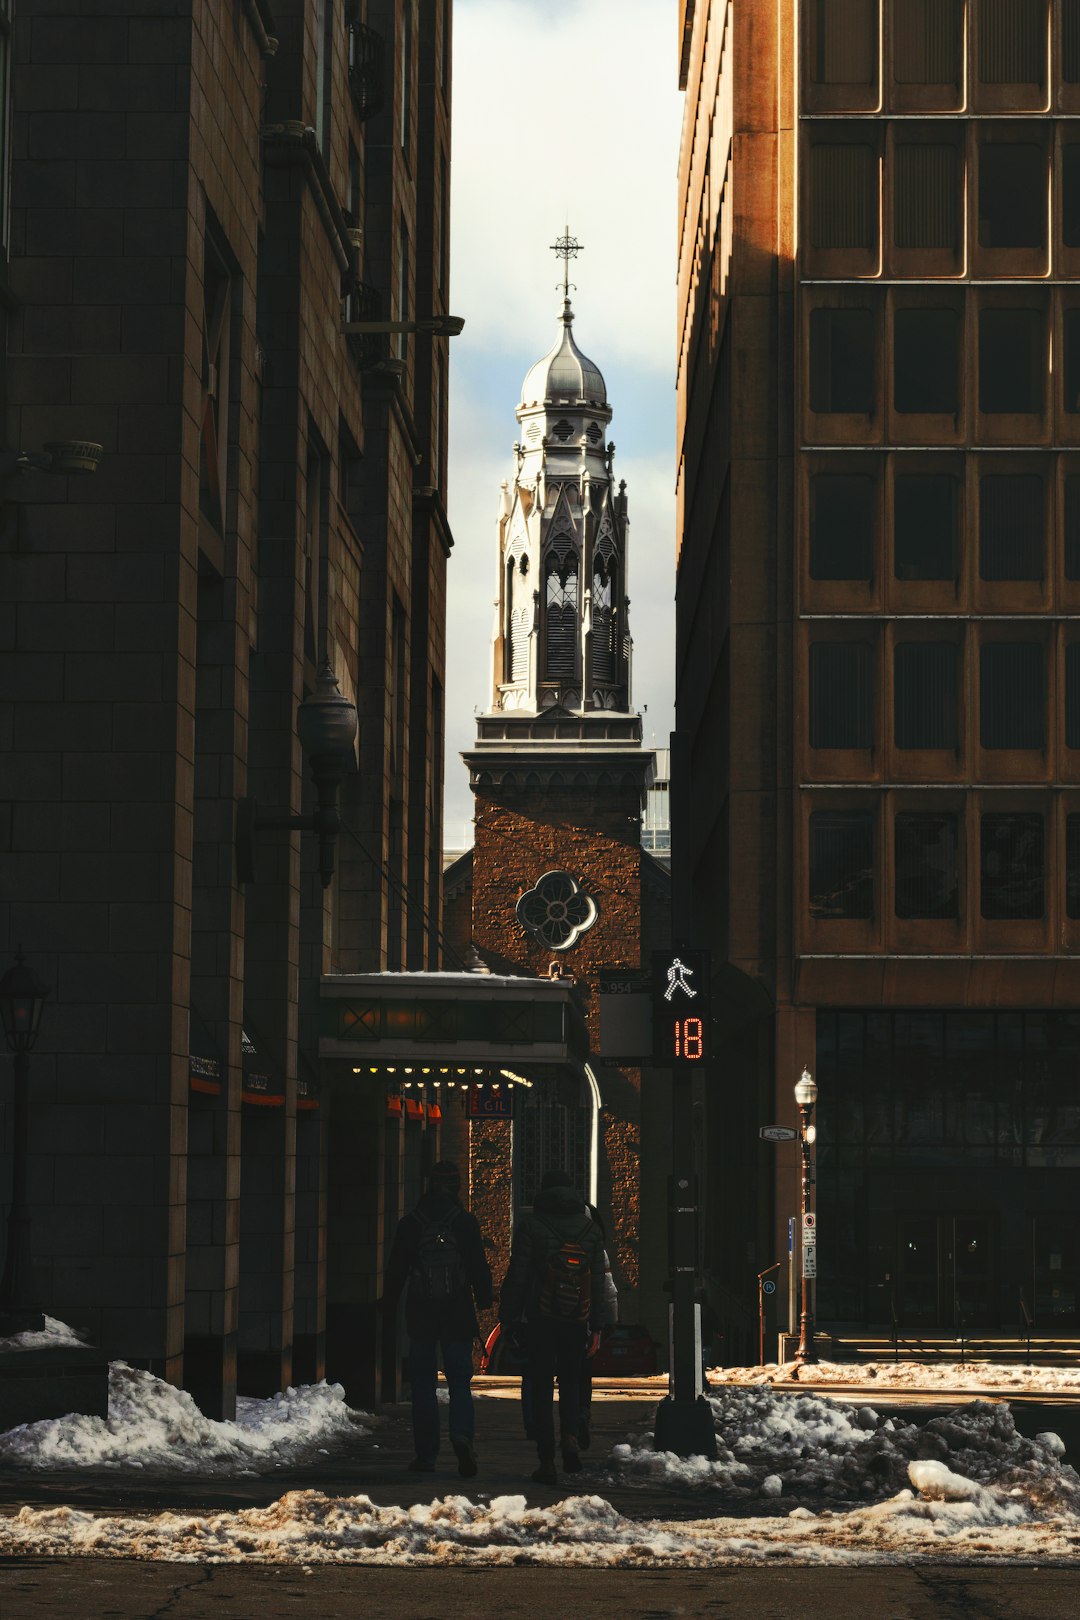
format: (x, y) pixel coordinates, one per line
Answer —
(155, 1427)
(803, 1447)
(962, 1377)
(53, 1336)
(951, 1519)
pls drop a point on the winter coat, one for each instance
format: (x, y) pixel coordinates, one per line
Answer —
(446, 1320)
(558, 1216)
(609, 1311)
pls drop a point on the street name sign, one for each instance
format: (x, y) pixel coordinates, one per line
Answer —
(777, 1133)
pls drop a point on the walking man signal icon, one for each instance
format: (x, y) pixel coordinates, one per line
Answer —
(677, 975)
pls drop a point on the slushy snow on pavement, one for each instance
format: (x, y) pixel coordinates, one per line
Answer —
(998, 1377)
(154, 1427)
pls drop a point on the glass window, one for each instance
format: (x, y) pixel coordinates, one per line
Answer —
(841, 864)
(1070, 192)
(1011, 527)
(926, 49)
(925, 360)
(925, 694)
(1012, 695)
(1012, 41)
(845, 40)
(1012, 360)
(841, 527)
(926, 196)
(1012, 866)
(1072, 866)
(927, 874)
(1071, 359)
(1012, 195)
(1072, 695)
(1072, 528)
(924, 527)
(842, 360)
(1070, 42)
(843, 196)
(841, 695)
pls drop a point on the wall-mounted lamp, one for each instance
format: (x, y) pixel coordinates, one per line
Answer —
(435, 325)
(326, 726)
(68, 457)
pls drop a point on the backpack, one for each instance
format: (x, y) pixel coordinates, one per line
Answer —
(438, 1270)
(566, 1285)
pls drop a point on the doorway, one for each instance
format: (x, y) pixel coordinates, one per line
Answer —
(946, 1272)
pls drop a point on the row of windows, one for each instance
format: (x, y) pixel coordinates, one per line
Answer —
(926, 851)
(927, 689)
(1011, 342)
(1010, 535)
(1009, 179)
(1012, 52)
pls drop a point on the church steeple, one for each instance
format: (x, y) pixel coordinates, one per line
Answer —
(562, 635)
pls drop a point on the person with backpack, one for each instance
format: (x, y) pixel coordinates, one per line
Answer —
(438, 1253)
(554, 1284)
(606, 1314)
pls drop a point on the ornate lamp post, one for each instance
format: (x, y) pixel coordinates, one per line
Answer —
(22, 996)
(326, 725)
(805, 1097)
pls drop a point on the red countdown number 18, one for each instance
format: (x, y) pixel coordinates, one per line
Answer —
(689, 1039)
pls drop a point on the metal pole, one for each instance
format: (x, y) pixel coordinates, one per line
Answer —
(806, 1351)
(18, 1312)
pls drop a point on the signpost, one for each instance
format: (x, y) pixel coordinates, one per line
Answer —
(777, 1133)
(765, 1286)
(682, 1038)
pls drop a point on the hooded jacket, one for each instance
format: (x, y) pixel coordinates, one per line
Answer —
(558, 1216)
(452, 1319)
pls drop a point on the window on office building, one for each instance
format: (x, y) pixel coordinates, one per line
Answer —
(1072, 695)
(1012, 360)
(1012, 195)
(924, 526)
(841, 526)
(1011, 866)
(926, 195)
(845, 41)
(842, 360)
(1012, 524)
(1070, 359)
(843, 196)
(926, 360)
(841, 695)
(927, 876)
(841, 864)
(1072, 527)
(926, 49)
(1012, 695)
(925, 694)
(1072, 866)
(1012, 41)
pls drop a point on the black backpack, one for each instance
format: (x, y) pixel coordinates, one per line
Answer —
(566, 1285)
(438, 1270)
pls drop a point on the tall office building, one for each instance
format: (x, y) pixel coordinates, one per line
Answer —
(877, 768)
(200, 200)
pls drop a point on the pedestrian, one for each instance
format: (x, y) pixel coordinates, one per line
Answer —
(554, 1284)
(438, 1253)
(606, 1315)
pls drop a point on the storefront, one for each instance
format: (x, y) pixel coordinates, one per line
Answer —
(949, 1171)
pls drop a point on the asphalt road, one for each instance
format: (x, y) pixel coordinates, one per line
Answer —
(95, 1589)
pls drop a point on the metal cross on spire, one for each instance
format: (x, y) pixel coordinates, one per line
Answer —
(566, 248)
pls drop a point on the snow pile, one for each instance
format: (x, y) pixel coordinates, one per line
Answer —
(53, 1336)
(154, 1426)
(1000, 1377)
(801, 1445)
(953, 1520)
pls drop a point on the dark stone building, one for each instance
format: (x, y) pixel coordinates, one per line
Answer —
(201, 194)
(876, 805)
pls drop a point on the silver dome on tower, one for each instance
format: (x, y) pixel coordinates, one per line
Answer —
(564, 376)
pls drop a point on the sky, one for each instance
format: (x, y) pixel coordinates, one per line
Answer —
(565, 113)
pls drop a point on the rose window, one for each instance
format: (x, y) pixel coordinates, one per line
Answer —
(556, 911)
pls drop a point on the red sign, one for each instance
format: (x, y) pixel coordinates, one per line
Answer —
(490, 1102)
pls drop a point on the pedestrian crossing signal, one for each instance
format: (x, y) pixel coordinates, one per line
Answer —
(681, 1027)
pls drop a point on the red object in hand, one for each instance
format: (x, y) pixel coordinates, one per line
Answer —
(594, 1344)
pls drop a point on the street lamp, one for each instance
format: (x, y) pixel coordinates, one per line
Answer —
(805, 1097)
(326, 726)
(433, 325)
(22, 996)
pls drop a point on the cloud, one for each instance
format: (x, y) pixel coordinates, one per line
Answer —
(563, 115)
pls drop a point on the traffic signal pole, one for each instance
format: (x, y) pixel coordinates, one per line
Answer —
(682, 1038)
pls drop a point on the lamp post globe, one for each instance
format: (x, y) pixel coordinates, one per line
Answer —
(806, 1090)
(326, 725)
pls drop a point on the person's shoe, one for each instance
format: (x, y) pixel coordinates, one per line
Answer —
(466, 1458)
(422, 1465)
(546, 1475)
(584, 1435)
(571, 1461)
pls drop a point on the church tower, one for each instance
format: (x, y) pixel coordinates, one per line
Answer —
(557, 881)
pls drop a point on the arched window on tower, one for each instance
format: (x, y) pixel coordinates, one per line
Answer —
(604, 619)
(560, 615)
(517, 617)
